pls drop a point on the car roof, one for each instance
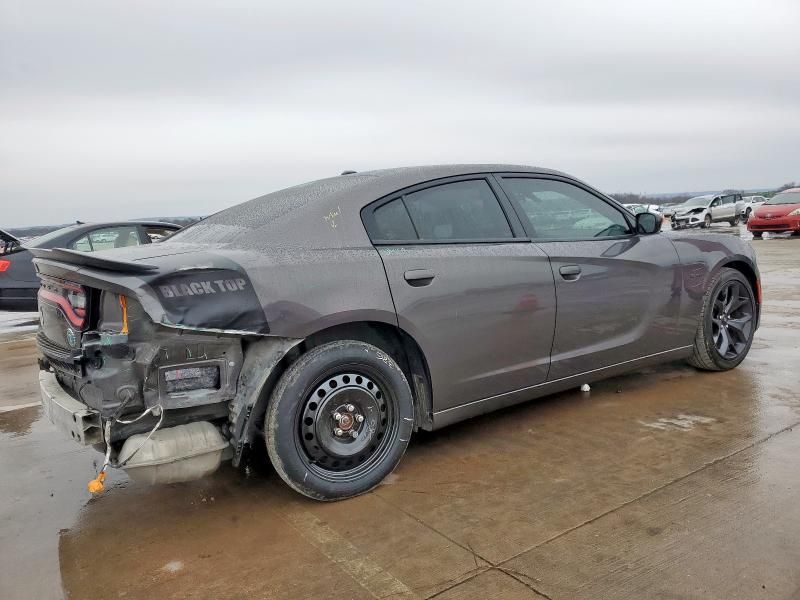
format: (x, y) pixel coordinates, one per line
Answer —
(797, 189)
(324, 213)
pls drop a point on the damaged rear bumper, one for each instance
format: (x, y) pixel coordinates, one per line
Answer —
(74, 418)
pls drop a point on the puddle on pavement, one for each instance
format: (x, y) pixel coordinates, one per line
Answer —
(19, 422)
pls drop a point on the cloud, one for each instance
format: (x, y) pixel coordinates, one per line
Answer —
(113, 110)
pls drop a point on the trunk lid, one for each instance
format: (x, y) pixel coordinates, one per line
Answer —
(176, 285)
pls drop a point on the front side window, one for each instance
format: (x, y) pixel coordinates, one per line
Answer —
(463, 210)
(562, 211)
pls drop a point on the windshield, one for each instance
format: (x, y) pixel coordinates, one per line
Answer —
(698, 201)
(785, 198)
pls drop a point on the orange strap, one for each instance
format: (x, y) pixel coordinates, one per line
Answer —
(124, 304)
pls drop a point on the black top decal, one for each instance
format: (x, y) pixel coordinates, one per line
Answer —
(211, 299)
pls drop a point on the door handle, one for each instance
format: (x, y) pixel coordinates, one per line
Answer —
(419, 277)
(570, 272)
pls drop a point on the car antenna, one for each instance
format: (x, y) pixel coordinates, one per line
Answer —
(80, 223)
(349, 172)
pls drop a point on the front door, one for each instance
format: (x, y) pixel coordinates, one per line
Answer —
(477, 298)
(618, 292)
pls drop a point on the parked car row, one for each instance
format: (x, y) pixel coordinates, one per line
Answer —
(18, 281)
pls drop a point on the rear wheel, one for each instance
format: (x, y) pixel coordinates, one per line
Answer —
(735, 221)
(727, 323)
(339, 420)
(707, 222)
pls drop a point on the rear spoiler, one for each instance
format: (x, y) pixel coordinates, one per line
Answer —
(85, 259)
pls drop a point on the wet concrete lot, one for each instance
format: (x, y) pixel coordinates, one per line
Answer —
(666, 483)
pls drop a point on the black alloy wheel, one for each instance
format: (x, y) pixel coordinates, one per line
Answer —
(727, 323)
(732, 320)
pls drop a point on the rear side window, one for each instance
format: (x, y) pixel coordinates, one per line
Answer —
(392, 222)
(463, 210)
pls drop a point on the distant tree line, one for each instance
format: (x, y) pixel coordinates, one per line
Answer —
(631, 198)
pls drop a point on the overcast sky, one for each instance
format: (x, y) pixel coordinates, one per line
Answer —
(112, 109)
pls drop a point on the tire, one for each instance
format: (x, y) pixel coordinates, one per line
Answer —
(757, 234)
(747, 214)
(719, 345)
(306, 444)
(734, 222)
(706, 222)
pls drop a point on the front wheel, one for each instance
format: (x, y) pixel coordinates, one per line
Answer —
(727, 323)
(707, 222)
(757, 234)
(339, 420)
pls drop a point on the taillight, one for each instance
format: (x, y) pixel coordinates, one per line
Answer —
(70, 298)
(4, 264)
(77, 300)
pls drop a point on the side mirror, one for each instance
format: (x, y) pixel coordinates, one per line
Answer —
(647, 223)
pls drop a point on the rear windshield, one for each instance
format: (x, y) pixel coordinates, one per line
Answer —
(785, 198)
(243, 221)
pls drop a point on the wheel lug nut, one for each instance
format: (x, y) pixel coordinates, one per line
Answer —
(353, 434)
(350, 408)
(338, 432)
(337, 417)
(359, 418)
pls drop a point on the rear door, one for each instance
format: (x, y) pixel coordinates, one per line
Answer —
(467, 285)
(618, 292)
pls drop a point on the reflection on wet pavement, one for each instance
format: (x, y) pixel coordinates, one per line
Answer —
(663, 483)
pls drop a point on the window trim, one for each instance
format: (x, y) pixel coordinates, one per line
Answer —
(85, 234)
(512, 218)
(626, 215)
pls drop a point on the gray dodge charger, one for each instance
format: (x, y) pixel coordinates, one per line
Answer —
(330, 320)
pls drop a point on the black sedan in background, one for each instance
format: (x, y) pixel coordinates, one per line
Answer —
(18, 281)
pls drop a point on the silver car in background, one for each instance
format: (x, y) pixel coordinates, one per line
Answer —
(702, 211)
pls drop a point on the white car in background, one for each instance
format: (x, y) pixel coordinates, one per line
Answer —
(702, 211)
(750, 204)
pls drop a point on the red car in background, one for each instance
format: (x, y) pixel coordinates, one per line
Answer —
(779, 214)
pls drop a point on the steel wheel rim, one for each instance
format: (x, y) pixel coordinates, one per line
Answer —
(349, 393)
(732, 320)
